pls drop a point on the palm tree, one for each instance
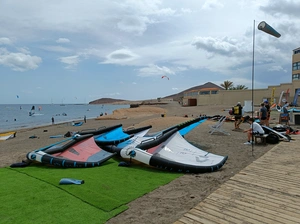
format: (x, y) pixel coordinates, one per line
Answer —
(238, 87)
(241, 87)
(227, 84)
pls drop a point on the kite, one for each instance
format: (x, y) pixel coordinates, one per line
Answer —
(164, 76)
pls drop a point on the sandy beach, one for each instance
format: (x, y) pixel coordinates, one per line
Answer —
(167, 203)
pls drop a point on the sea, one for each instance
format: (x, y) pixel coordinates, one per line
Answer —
(16, 116)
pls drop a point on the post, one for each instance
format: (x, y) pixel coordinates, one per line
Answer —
(263, 26)
(252, 92)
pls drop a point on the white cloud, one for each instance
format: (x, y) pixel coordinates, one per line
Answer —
(154, 70)
(5, 41)
(62, 40)
(121, 56)
(289, 8)
(70, 61)
(186, 10)
(224, 46)
(134, 24)
(181, 69)
(56, 49)
(212, 4)
(24, 50)
(19, 61)
(277, 68)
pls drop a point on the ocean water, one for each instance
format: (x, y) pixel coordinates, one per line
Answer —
(16, 116)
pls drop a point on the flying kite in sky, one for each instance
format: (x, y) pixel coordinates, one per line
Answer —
(164, 76)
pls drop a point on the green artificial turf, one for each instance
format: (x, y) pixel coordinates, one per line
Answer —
(33, 194)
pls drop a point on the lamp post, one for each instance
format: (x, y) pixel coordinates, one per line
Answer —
(263, 26)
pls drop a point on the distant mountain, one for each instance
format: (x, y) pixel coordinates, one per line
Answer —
(105, 100)
(175, 97)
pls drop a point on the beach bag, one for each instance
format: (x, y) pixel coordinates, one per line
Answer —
(272, 139)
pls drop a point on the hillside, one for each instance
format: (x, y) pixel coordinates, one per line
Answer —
(178, 96)
(105, 100)
(175, 97)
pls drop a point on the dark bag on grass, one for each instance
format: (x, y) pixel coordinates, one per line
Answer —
(272, 139)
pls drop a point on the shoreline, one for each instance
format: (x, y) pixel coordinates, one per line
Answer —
(14, 119)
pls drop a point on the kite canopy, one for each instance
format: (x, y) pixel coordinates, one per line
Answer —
(166, 149)
(82, 151)
(117, 135)
(172, 152)
(78, 152)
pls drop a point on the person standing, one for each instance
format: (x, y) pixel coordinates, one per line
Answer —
(52, 119)
(263, 113)
(285, 116)
(84, 119)
(284, 108)
(267, 106)
(254, 129)
(237, 112)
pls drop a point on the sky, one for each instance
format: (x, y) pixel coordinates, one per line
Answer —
(71, 51)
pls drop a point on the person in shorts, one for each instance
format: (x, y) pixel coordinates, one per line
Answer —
(255, 129)
(237, 112)
(263, 113)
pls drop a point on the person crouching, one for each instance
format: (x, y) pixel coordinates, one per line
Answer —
(255, 129)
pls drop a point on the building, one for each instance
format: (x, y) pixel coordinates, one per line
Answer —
(296, 64)
(219, 96)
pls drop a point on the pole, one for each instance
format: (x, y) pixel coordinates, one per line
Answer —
(253, 48)
(263, 26)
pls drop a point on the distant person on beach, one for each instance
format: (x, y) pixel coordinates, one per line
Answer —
(255, 129)
(237, 111)
(284, 108)
(52, 120)
(285, 114)
(267, 105)
(263, 113)
(84, 119)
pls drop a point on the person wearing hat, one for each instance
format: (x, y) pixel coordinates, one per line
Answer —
(237, 111)
(267, 105)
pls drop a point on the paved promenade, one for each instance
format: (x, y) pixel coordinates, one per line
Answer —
(266, 191)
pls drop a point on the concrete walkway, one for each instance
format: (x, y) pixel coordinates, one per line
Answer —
(266, 191)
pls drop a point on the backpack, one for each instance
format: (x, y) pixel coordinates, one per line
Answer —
(272, 139)
(236, 110)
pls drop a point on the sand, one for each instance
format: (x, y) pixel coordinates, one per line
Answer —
(167, 203)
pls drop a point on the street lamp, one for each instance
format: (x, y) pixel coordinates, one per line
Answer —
(263, 26)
